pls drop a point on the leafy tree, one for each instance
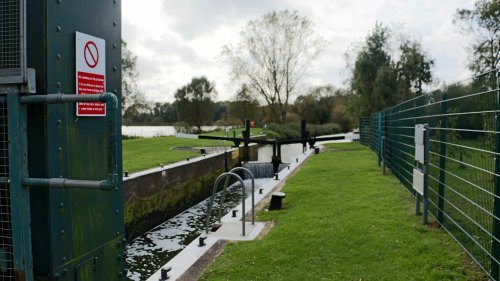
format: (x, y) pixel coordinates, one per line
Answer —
(244, 106)
(413, 69)
(323, 105)
(130, 92)
(380, 80)
(483, 22)
(373, 56)
(165, 111)
(194, 102)
(316, 106)
(137, 114)
(273, 56)
(220, 110)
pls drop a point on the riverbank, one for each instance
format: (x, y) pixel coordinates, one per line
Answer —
(343, 220)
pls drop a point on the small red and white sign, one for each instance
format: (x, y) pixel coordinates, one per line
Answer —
(90, 73)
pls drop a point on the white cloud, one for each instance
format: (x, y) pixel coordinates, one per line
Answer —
(177, 40)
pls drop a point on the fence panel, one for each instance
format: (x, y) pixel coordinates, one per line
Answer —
(464, 166)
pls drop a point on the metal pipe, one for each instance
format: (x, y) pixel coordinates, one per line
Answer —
(112, 108)
(67, 183)
(222, 198)
(253, 188)
(212, 198)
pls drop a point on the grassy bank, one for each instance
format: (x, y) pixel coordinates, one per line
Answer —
(144, 153)
(343, 220)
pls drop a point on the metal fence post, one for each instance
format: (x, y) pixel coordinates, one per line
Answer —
(442, 157)
(495, 249)
(426, 176)
(379, 140)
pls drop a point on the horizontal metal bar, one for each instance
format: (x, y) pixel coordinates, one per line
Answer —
(461, 244)
(466, 215)
(487, 252)
(466, 147)
(68, 183)
(466, 181)
(108, 98)
(465, 163)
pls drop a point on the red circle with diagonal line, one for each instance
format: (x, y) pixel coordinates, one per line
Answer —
(91, 54)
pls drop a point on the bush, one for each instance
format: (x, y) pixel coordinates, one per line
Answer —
(325, 129)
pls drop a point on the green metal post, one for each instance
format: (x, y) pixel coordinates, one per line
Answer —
(442, 157)
(495, 249)
(19, 196)
(379, 140)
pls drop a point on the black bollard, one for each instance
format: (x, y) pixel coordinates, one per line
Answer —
(201, 240)
(164, 273)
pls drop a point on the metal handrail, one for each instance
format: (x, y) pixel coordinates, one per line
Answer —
(214, 192)
(111, 101)
(224, 192)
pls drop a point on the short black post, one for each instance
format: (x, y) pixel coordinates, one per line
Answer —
(276, 201)
(201, 240)
(246, 140)
(126, 173)
(260, 190)
(234, 213)
(303, 134)
(164, 273)
(226, 166)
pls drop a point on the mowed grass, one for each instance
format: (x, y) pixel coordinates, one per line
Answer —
(343, 220)
(144, 153)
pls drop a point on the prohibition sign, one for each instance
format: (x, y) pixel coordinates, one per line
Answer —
(91, 54)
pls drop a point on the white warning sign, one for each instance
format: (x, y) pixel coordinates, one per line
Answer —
(90, 73)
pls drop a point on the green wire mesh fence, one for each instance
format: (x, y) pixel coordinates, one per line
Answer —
(464, 168)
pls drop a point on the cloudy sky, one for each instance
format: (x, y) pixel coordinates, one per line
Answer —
(176, 40)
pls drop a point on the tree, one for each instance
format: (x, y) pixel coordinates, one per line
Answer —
(323, 105)
(244, 106)
(316, 106)
(372, 57)
(165, 111)
(194, 102)
(483, 22)
(273, 56)
(413, 69)
(380, 80)
(130, 92)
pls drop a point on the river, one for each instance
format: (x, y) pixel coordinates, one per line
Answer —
(158, 131)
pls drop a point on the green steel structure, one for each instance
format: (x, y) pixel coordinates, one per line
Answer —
(464, 166)
(364, 130)
(61, 197)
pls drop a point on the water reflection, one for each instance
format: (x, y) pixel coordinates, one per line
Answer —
(288, 152)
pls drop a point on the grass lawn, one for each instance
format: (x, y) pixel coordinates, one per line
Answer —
(343, 220)
(144, 153)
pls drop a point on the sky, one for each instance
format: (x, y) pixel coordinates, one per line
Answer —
(175, 40)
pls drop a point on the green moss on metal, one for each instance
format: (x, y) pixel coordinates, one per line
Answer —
(170, 200)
